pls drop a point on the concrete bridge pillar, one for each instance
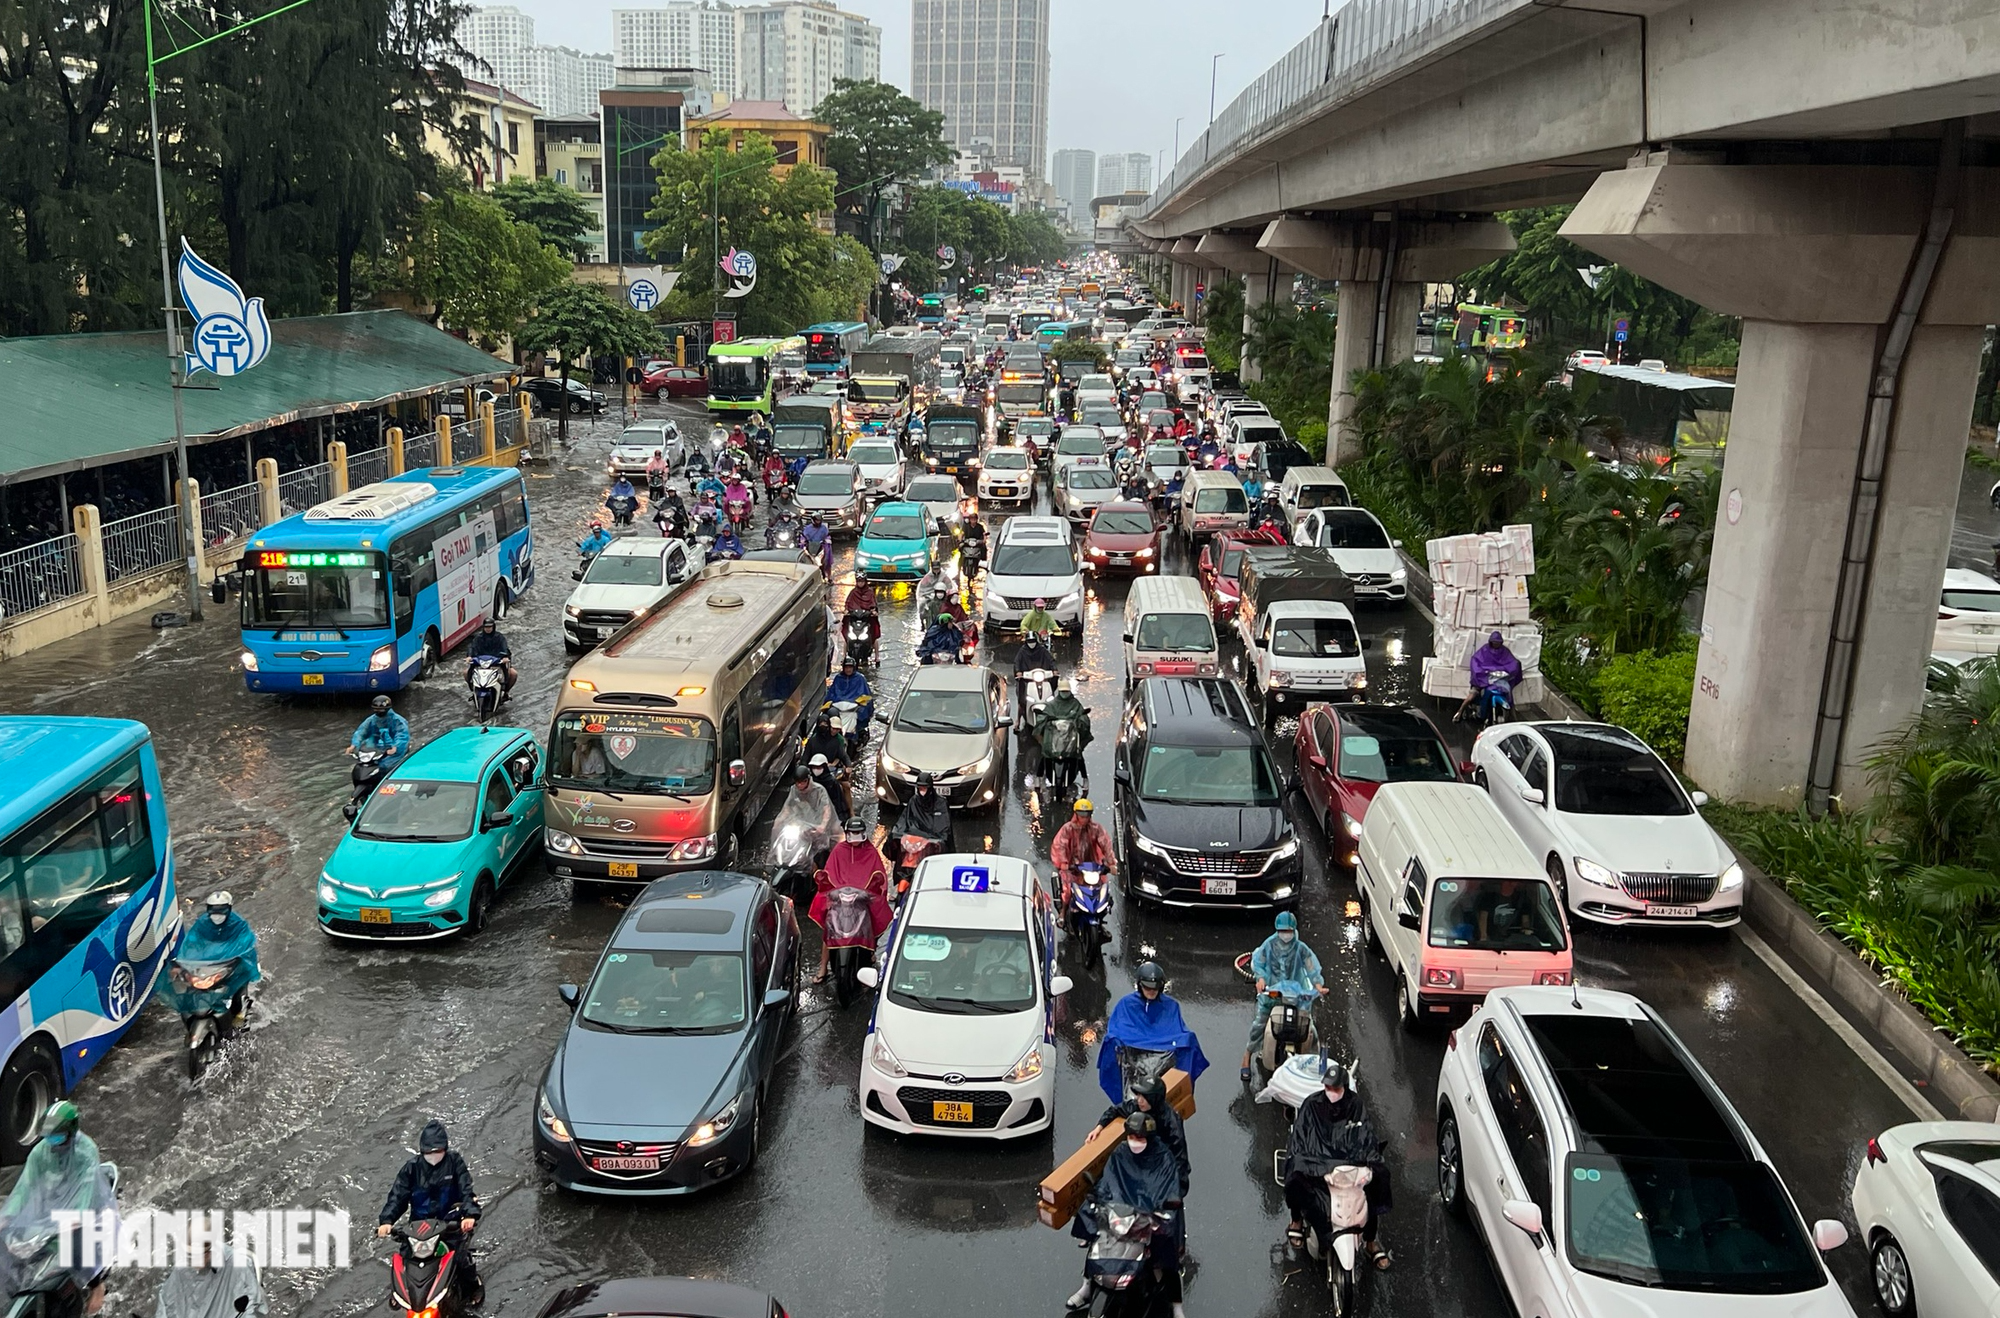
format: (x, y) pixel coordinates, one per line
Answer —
(1358, 254)
(1841, 475)
(1238, 254)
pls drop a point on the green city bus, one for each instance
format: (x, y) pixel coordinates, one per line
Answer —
(741, 374)
(1491, 329)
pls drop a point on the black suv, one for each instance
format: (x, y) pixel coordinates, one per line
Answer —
(1199, 800)
(547, 393)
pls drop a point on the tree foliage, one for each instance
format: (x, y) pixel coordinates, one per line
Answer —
(881, 137)
(986, 236)
(475, 268)
(581, 320)
(556, 211)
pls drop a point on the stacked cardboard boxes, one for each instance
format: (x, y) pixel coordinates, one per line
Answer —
(1479, 585)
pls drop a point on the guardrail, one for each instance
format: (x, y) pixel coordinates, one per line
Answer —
(39, 576)
(138, 546)
(229, 516)
(510, 427)
(421, 451)
(301, 489)
(367, 468)
(1360, 43)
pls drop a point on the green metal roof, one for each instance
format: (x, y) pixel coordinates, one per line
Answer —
(83, 400)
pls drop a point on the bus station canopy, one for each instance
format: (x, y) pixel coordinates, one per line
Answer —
(77, 401)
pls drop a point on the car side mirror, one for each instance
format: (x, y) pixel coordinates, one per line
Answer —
(739, 772)
(498, 819)
(1314, 758)
(1525, 1214)
(1395, 544)
(776, 997)
(1060, 985)
(1532, 795)
(868, 975)
(1122, 772)
(1829, 1234)
(567, 992)
(1407, 918)
(1699, 798)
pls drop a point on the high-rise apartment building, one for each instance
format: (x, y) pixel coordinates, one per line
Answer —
(793, 50)
(681, 34)
(497, 29)
(1128, 171)
(556, 79)
(1074, 176)
(985, 64)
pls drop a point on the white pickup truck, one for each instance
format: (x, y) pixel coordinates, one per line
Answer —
(1299, 638)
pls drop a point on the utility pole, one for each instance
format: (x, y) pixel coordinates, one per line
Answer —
(176, 361)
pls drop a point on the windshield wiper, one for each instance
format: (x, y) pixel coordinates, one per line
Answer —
(991, 1008)
(933, 725)
(576, 786)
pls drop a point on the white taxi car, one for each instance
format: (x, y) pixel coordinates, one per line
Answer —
(962, 1042)
(1006, 475)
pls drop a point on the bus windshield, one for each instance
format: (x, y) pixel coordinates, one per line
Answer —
(736, 377)
(824, 348)
(345, 591)
(1030, 394)
(666, 754)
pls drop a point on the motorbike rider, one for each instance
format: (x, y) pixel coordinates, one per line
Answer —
(436, 1184)
(1033, 654)
(671, 515)
(711, 486)
(1283, 958)
(943, 640)
(1081, 839)
(783, 521)
(775, 475)
(927, 813)
(219, 935)
(850, 683)
(657, 471)
(596, 542)
(727, 544)
(1489, 664)
(1140, 1173)
(1147, 1019)
(1331, 1129)
(383, 730)
(221, 1283)
(1149, 1096)
(861, 600)
(815, 534)
(736, 492)
(854, 862)
(489, 643)
(1039, 621)
(1062, 729)
(808, 806)
(621, 488)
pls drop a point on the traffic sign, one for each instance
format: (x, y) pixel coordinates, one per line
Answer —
(722, 331)
(1619, 333)
(1621, 324)
(644, 295)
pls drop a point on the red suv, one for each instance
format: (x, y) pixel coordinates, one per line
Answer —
(1344, 754)
(1220, 562)
(676, 382)
(1123, 537)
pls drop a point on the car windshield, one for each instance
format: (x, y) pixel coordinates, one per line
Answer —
(1385, 752)
(1028, 394)
(650, 991)
(1979, 601)
(1209, 775)
(1323, 496)
(1105, 417)
(1496, 915)
(826, 480)
(953, 434)
(1149, 401)
(873, 455)
(1084, 445)
(1175, 631)
(337, 591)
(940, 489)
(963, 971)
(1611, 774)
(1117, 522)
(1019, 560)
(1315, 638)
(1006, 459)
(928, 710)
(1351, 529)
(1221, 499)
(1037, 429)
(664, 754)
(1090, 478)
(896, 526)
(417, 810)
(624, 570)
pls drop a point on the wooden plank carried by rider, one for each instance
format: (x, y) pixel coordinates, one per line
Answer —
(1063, 1189)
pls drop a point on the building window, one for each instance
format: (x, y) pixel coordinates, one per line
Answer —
(513, 139)
(562, 176)
(788, 151)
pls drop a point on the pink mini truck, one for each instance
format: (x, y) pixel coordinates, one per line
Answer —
(1455, 901)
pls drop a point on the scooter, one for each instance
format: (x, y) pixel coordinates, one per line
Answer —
(1038, 690)
(738, 512)
(1119, 1262)
(1288, 1030)
(915, 848)
(850, 940)
(859, 629)
(968, 648)
(792, 849)
(486, 680)
(970, 556)
(424, 1274)
(368, 771)
(209, 1015)
(44, 1287)
(1494, 702)
(1088, 911)
(846, 715)
(622, 507)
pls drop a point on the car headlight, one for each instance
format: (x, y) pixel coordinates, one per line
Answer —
(708, 1132)
(327, 894)
(1732, 879)
(1074, 597)
(562, 843)
(883, 1058)
(383, 659)
(978, 766)
(442, 897)
(248, 660)
(1286, 849)
(1592, 872)
(545, 1112)
(571, 611)
(1027, 1068)
(1279, 677)
(1143, 553)
(1353, 825)
(1147, 845)
(694, 848)
(1399, 575)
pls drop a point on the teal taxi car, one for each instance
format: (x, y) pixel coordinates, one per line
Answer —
(899, 543)
(438, 839)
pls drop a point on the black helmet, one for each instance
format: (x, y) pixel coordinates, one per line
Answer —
(433, 1139)
(1151, 976)
(800, 773)
(380, 704)
(1140, 1124)
(925, 778)
(1153, 1090)
(487, 624)
(1333, 1075)
(857, 828)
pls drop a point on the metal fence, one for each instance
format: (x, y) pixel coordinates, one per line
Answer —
(229, 516)
(301, 489)
(39, 576)
(510, 427)
(466, 442)
(367, 468)
(1361, 43)
(421, 451)
(138, 546)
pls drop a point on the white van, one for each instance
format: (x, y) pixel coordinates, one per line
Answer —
(1168, 632)
(1455, 900)
(1307, 488)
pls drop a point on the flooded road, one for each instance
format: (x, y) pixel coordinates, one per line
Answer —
(355, 1048)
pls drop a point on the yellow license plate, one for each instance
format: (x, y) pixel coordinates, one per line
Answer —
(312, 679)
(955, 1112)
(375, 915)
(624, 869)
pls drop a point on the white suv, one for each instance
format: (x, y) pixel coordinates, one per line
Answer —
(1033, 558)
(959, 1044)
(631, 576)
(1608, 1173)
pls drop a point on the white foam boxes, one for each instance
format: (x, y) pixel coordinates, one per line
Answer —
(1479, 585)
(1447, 681)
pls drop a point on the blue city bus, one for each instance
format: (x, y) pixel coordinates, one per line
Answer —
(930, 309)
(367, 591)
(828, 345)
(88, 916)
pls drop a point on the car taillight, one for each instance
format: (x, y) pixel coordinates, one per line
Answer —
(1875, 1154)
(1438, 977)
(1555, 977)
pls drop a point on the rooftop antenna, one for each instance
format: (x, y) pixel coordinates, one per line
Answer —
(1575, 996)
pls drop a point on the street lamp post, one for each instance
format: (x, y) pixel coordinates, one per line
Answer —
(1177, 141)
(1213, 65)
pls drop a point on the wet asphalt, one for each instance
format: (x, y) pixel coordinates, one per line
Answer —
(354, 1048)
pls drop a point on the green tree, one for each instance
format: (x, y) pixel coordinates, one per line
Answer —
(555, 210)
(1034, 239)
(775, 218)
(476, 269)
(850, 278)
(880, 137)
(581, 320)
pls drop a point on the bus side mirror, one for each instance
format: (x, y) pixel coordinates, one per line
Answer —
(218, 592)
(738, 773)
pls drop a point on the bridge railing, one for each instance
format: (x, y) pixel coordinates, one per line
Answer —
(1360, 43)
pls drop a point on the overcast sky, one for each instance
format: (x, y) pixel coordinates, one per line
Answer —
(1120, 71)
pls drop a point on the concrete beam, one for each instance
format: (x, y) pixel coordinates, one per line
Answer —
(1237, 253)
(1428, 251)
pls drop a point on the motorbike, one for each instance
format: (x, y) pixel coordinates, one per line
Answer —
(970, 556)
(914, 850)
(1288, 1030)
(43, 1287)
(968, 648)
(1039, 688)
(846, 716)
(209, 1015)
(656, 486)
(792, 850)
(486, 683)
(424, 1274)
(859, 630)
(850, 940)
(1088, 910)
(781, 534)
(622, 507)
(738, 512)
(1493, 702)
(1119, 1262)
(1347, 1207)
(368, 770)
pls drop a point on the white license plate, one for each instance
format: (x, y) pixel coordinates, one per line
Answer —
(1218, 887)
(1672, 912)
(625, 1164)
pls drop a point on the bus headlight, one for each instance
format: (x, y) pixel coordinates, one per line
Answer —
(561, 843)
(248, 660)
(383, 659)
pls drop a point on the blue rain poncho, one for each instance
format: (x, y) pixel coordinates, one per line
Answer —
(1154, 1026)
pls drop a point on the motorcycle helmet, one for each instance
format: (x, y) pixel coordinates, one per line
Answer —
(817, 763)
(380, 704)
(1151, 976)
(1083, 806)
(60, 1121)
(1064, 684)
(219, 904)
(1041, 603)
(1140, 1125)
(1286, 920)
(801, 775)
(925, 778)
(857, 829)
(433, 1139)
(1153, 1090)
(1333, 1075)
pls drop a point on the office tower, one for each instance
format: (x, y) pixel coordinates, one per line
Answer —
(683, 34)
(1130, 171)
(985, 64)
(793, 50)
(1074, 175)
